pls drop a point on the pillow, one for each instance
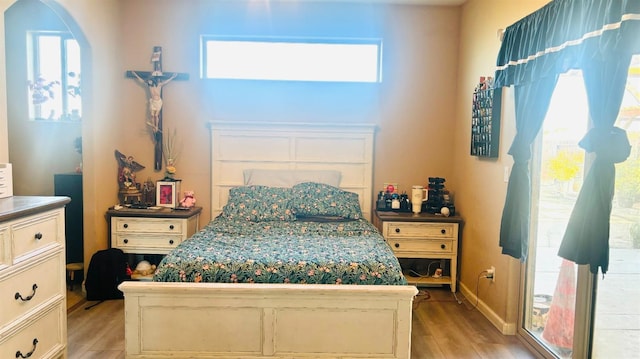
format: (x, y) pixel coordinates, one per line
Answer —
(289, 178)
(259, 204)
(318, 199)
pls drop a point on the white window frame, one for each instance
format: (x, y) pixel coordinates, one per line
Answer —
(292, 59)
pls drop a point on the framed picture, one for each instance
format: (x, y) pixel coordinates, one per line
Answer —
(167, 193)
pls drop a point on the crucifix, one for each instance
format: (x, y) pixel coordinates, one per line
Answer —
(154, 81)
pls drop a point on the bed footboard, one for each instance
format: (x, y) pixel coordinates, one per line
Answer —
(200, 320)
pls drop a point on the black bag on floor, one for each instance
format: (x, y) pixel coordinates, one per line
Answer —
(107, 269)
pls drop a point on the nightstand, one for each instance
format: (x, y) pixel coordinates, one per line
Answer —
(151, 231)
(423, 236)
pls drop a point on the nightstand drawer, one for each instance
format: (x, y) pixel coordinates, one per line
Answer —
(126, 241)
(420, 245)
(155, 225)
(420, 230)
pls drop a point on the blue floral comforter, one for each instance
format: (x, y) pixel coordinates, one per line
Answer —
(326, 252)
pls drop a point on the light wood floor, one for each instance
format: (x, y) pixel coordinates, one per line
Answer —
(442, 328)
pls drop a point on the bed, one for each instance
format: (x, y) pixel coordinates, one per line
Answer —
(278, 284)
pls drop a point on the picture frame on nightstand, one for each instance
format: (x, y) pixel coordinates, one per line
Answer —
(167, 193)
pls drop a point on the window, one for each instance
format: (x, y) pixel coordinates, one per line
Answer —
(555, 287)
(54, 77)
(292, 59)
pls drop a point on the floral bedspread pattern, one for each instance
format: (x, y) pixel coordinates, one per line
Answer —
(332, 252)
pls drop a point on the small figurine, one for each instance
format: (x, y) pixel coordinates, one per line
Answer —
(129, 188)
(189, 200)
(127, 168)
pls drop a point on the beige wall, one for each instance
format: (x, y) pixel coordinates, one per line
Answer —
(412, 114)
(98, 21)
(433, 55)
(479, 183)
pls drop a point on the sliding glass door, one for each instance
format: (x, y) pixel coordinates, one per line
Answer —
(566, 311)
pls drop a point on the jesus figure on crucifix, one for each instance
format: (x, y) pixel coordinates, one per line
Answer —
(155, 97)
(153, 82)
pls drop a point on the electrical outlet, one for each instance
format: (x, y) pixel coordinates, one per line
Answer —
(491, 273)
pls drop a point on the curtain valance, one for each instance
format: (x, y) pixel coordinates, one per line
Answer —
(599, 37)
(565, 34)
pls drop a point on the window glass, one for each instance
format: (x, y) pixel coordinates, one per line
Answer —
(331, 60)
(54, 77)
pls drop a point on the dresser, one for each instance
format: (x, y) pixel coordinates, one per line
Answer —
(33, 312)
(426, 236)
(151, 231)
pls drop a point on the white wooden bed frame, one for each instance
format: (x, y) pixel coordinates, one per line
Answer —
(218, 320)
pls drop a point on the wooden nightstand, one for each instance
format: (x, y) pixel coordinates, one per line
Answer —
(423, 236)
(151, 231)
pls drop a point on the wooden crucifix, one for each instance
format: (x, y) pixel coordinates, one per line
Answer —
(154, 81)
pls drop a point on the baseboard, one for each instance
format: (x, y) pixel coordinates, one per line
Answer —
(504, 327)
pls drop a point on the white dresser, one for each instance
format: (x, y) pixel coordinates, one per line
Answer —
(33, 312)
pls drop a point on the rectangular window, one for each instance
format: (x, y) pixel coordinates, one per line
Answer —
(292, 59)
(54, 77)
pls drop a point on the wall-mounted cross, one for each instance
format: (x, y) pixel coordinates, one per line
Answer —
(154, 81)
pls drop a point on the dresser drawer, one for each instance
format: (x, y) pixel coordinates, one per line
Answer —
(35, 233)
(5, 246)
(45, 337)
(37, 283)
(400, 245)
(135, 241)
(420, 230)
(156, 225)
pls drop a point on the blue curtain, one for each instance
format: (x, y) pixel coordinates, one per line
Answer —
(564, 35)
(586, 240)
(532, 102)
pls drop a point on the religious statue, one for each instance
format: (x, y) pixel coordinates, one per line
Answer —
(154, 85)
(149, 192)
(153, 82)
(129, 188)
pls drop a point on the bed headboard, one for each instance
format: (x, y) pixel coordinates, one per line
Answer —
(237, 146)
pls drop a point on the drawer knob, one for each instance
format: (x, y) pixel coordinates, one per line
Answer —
(26, 299)
(38, 236)
(29, 354)
(125, 225)
(443, 246)
(397, 245)
(443, 231)
(126, 241)
(171, 241)
(397, 230)
(171, 226)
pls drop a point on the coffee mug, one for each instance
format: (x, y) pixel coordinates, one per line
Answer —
(418, 195)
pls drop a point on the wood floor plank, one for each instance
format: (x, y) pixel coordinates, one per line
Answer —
(97, 332)
(441, 328)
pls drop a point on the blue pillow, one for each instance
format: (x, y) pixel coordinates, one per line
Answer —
(259, 204)
(318, 199)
